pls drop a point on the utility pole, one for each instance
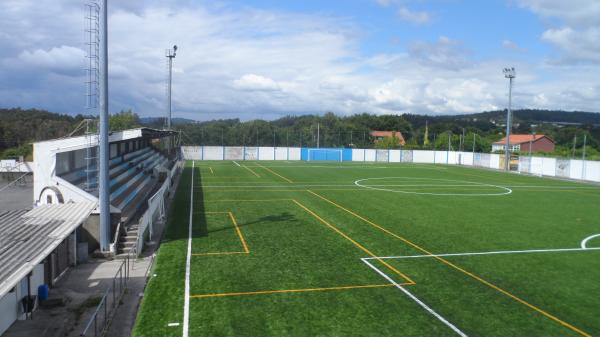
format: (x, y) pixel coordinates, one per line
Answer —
(104, 181)
(474, 135)
(531, 144)
(583, 157)
(509, 73)
(318, 135)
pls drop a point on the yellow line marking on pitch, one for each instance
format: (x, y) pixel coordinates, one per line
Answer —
(275, 173)
(291, 291)
(251, 170)
(531, 306)
(218, 253)
(239, 233)
(410, 281)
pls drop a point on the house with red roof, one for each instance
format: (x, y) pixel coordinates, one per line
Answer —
(538, 143)
(381, 135)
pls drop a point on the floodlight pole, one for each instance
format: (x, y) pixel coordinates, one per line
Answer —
(510, 74)
(103, 181)
(170, 54)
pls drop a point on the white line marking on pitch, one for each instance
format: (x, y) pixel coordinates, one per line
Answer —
(585, 241)
(414, 298)
(173, 324)
(485, 253)
(186, 300)
(235, 162)
(506, 189)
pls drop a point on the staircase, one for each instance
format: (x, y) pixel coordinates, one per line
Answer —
(128, 240)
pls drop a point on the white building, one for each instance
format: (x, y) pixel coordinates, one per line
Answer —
(36, 248)
(65, 170)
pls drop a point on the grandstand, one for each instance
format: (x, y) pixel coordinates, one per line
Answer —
(66, 170)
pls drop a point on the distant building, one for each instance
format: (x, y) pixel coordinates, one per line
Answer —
(539, 143)
(380, 135)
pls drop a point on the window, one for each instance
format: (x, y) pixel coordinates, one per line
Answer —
(49, 199)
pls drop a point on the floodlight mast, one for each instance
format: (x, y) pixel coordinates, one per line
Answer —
(170, 54)
(103, 172)
(509, 73)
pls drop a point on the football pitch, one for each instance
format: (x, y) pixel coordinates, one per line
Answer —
(374, 249)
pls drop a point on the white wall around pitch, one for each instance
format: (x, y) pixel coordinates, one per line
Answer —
(440, 157)
(266, 153)
(295, 153)
(423, 157)
(549, 167)
(234, 152)
(281, 153)
(495, 161)
(542, 166)
(192, 152)
(394, 156)
(212, 153)
(358, 155)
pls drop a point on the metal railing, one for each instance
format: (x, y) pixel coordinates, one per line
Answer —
(98, 324)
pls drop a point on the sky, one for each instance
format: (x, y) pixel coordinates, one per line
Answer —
(266, 59)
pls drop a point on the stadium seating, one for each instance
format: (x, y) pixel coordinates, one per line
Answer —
(132, 179)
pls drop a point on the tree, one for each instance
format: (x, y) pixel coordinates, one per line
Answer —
(124, 120)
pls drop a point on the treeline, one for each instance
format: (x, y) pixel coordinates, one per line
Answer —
(461, 132)
(18, 128)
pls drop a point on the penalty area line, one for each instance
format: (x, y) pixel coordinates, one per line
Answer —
(414, 298)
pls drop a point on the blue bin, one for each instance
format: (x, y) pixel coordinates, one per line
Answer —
(43, 292)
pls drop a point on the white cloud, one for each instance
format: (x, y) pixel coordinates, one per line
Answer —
(577, 13)
(249, 63)
(444, 53)
(57, 58)
(577, 45)
(508, 44)
(578, 30)
(416, 17)
(252, 82)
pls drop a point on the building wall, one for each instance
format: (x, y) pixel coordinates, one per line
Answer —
(8, 308)
(540, 145)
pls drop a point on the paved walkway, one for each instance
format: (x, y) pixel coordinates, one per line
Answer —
(82, 288)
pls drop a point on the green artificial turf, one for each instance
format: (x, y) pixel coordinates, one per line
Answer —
(264, 231)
